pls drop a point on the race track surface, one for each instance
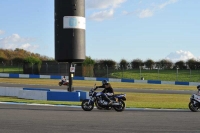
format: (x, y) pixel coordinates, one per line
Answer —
(88, 88)
(21, 118)
(47, 119)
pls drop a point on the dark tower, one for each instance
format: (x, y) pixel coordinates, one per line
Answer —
(69, 31)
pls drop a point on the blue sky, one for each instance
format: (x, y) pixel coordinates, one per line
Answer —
(115, 29)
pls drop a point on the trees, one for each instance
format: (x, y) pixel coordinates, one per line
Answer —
(88, 66)
(123, 64)
(149, 63)
(136, 63)
(33, 60)
(88, 61)
(32, 65)
(106, 63)
(17, 60)
(9, 54)
(165, 64)
(180, 65)
(193, 64)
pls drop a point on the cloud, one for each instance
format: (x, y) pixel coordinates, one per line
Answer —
(163, 5)
(106, 8)
(15, 41)
(102, 15)
(180, 55)
(29, 47)
(146, 13)
(1, 32)
(103, 4)
(150, 11)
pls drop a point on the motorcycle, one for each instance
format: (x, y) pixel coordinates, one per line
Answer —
(194, 103)
(96, 99)
(63, 83)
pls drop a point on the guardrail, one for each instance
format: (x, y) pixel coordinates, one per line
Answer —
(10, 75)
(43, 94)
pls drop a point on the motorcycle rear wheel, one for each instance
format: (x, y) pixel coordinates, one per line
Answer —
(192, 107)
(60, 84)
(86, 106)
(121, 107)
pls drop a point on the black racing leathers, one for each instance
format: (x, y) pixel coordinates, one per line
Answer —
(106, 90)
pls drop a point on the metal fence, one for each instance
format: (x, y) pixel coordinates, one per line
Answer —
(17, 68)
(54, 68)
(147, 74)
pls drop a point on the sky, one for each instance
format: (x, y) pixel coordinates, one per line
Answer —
(115, 29)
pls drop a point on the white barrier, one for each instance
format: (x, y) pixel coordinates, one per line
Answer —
(90, 78)
(2, 91)
(168, 82)
(13, 92)
(193, 84)
(41, 94)
(32, 94)
(114, 80)
(45, 76)
(23, 76)
(4, 75)
(140, 81)
(8, 91)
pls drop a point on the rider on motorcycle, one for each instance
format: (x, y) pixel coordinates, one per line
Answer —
(64, 80)
(108, 90)
(198, 88)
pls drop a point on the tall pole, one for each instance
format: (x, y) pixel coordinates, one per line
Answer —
(107, 70)
(158, 73)
(70, 77)
(177, 74)
(122, 71)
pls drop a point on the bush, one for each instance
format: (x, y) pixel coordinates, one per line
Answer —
(32, 65)
(17, 61)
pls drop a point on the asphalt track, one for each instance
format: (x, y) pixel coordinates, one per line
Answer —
(21, 118)
(54, 119)
(122, 90)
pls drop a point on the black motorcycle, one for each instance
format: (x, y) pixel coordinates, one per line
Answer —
(96, 98)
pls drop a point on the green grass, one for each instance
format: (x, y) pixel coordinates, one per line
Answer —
(138, 100)
(160, 101)
(19, 100)
(163, 75)
(134, 100)
(54, 82)
(11, 69)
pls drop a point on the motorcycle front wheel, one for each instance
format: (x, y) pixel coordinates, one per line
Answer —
(86, 106)
(192, 107)
(120, 107)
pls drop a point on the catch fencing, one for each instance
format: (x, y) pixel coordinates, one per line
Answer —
(54, 68)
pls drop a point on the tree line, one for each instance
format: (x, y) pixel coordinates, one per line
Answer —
(147, 64)
(20, 56)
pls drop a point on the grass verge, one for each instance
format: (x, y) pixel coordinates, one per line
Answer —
(84, 83)
(134, 100)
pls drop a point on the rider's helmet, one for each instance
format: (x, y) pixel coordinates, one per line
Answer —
(104, 82)
(198, 87)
